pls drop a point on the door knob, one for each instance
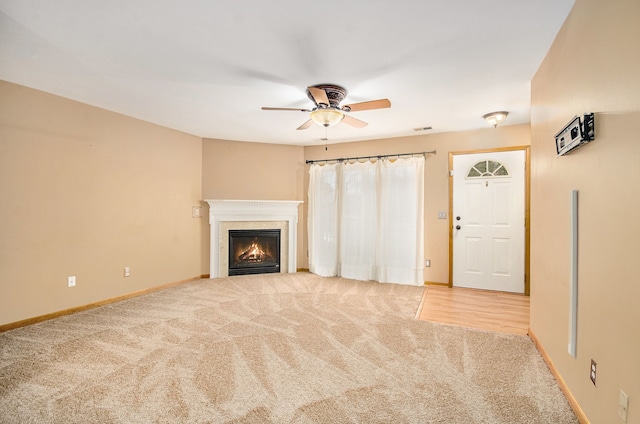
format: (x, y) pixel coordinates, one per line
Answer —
(457, 227)
(457, 218)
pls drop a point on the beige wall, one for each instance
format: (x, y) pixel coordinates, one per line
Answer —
(436, 192)
(86, 192)
(251, 171)
(593, 66)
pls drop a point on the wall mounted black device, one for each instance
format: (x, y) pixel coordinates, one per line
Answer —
(576, 133)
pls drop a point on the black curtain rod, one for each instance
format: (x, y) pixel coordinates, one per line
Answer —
(433, 152)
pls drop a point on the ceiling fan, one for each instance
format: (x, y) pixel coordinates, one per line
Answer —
(328, 112)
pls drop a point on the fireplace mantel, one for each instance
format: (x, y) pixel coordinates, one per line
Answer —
(225, 211)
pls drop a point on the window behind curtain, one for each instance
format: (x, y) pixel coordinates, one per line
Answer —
(366, 220)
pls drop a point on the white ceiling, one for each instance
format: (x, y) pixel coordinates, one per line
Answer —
(206, 67)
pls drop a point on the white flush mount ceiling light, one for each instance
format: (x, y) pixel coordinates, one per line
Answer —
(495, 118)
(327, 117)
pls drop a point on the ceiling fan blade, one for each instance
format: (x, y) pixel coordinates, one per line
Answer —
(286, 108)
(350, 120)
(305, 125)
(372, 104)
(319, 95)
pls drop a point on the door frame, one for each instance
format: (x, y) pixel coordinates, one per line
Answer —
(527, 208)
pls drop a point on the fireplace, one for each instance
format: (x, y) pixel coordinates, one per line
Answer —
(254, 251)
(227, 215)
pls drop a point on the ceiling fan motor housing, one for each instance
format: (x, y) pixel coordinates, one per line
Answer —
(335, 94)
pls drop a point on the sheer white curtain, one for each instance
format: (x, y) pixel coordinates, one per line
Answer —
(359, 221)
(365, 220)
(322, 220)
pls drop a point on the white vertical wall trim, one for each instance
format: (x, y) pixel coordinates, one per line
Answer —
(573, 298)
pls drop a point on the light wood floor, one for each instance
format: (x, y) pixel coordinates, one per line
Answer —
(482, 309)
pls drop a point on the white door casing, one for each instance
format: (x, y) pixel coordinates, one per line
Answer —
(488, 218)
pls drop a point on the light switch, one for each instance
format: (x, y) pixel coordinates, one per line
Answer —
(442, 215)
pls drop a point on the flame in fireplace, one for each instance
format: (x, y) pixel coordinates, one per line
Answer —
(253, 254)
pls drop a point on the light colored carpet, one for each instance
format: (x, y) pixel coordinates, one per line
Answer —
(278, 348)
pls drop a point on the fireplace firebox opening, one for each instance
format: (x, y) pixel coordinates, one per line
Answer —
(254, 252)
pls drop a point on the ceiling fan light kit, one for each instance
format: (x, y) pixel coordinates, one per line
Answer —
(328, 112)
(327, 117)
(495, 118)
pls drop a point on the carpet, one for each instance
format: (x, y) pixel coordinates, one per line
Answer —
(277, 348)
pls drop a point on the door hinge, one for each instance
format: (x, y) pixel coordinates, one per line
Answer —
(451, 172)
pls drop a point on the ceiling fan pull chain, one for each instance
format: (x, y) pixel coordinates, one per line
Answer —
(326, 138)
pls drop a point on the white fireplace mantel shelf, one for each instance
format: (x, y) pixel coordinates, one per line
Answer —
(251, 211)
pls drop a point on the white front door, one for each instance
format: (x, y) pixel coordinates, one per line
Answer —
(488, 220)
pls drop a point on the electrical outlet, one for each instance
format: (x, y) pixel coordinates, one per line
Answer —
(427, 263)
(442, 215)
(592, 373)
(127, 271)
(71, 281)
(623, 405)
(196, 211)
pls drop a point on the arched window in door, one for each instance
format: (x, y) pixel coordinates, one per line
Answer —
(487, 169)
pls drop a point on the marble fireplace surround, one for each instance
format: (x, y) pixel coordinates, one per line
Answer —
(225, 215)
